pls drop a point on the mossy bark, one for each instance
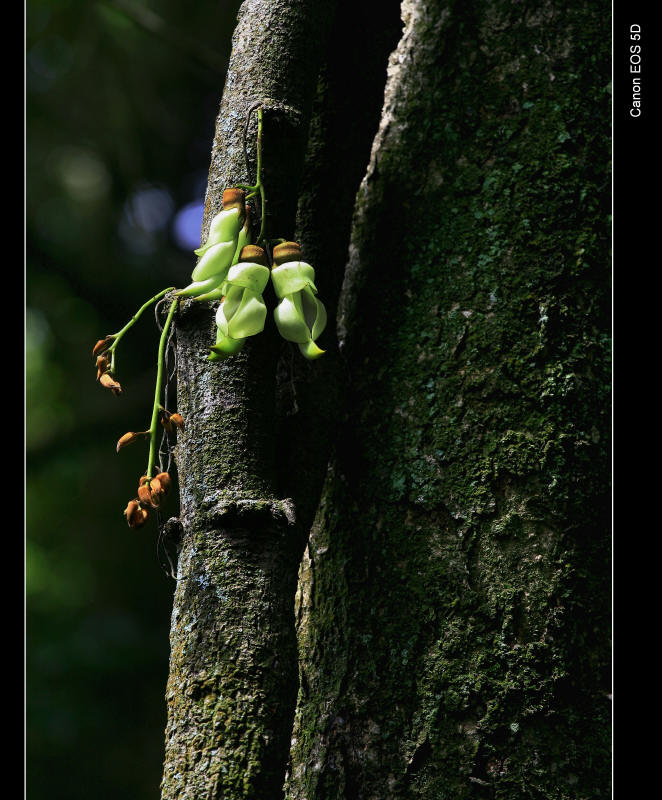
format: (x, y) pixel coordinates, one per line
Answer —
(453, 599)
(453, 603)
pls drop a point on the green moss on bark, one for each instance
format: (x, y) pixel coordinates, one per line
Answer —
(454, 605)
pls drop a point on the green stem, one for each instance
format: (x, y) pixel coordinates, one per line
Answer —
(259, 186)
(130, 323)
(153, 430)
(263, 199)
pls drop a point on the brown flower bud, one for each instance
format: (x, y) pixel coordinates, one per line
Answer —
(287, 251)
(107, 380)
(130, 438)
(142, 480)
(102, 365)
(102, 345)
(177, 420)
(164, 480)
(254, 255)
(136, 516)
(131, 507)
(145, 496)
(164, 419)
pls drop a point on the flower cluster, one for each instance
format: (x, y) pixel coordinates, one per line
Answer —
(242, 311)
(150, 489)
(300, 316)
(229, 232)
(237, 273)
(103, 365)
(150, 493)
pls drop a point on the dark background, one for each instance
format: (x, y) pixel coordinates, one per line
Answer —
(121, 99)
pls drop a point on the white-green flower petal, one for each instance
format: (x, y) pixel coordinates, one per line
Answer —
(290, 321)
(314, 312)
(249, 318)
(215, 294)
(291, 277)
(320, 322)
(224, 227)
(228, 307)
(310, 350)
(251, 276)
(216, 261)
(198, 288)
(225, 346)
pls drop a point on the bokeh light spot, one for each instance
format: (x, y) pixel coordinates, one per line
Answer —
(187, 225)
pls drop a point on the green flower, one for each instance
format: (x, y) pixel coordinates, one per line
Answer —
(300, 316)
(242, 311)
(229, 232)
(216, 291)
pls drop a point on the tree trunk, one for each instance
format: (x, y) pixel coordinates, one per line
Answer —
(453, 598)
(233, 668)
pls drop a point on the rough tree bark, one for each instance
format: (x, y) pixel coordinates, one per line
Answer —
(453, 597)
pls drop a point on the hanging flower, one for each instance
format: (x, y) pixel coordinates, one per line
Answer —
(242, 311)
(300, 316)
(228, 232)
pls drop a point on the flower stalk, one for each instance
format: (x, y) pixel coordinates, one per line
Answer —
(118, 336)
(259, 186)
(153, 430)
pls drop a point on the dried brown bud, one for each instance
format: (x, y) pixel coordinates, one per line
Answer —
(164, 480)
(102, 365)
(178, 420)
(136, 516)
(130, 438)
(150, 492)
(102, 345)
(145, 496)
(287, 251)
(131, 507)
(253, 254)
(107, 380)
(164, 419)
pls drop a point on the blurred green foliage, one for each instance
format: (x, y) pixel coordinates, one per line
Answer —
(121, 99)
